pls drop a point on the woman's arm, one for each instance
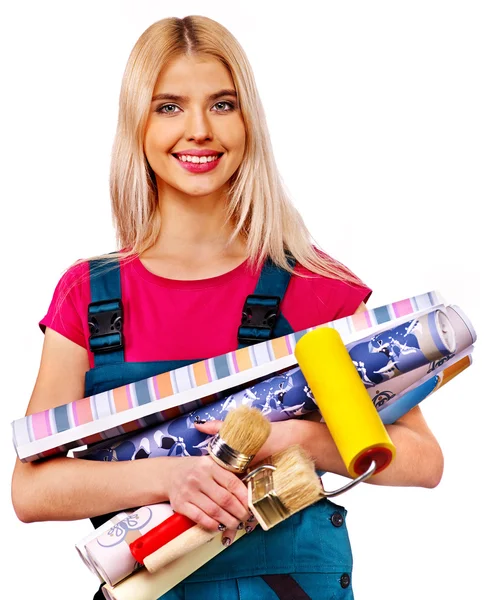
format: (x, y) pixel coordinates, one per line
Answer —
(418, 460)
(67, 488)
(64, 488)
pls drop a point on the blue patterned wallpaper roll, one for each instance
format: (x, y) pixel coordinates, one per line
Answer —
(287, 395)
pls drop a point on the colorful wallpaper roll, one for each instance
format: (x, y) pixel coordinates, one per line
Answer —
(80, 546)
(395, 391)
(391, 390)
(389, 414)
(281, 397)
(286, 395)
(109, 552)
(163, 397)
(404, 348)
(143, 585)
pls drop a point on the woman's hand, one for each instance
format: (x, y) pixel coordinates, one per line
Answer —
(283, 434)
(206, 493)
(274, 443)
(280, 438)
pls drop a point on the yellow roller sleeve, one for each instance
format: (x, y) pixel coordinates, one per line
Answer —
(341, 397)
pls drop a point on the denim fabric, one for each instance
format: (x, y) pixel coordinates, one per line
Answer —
(310, 545)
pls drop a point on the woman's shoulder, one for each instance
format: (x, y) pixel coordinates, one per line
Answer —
(67, 312)
(314, 298)
(77, 273)
(71, 280)
(72, 287)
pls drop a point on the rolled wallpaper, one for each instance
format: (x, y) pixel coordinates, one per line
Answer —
(113, 562)
(435, 349)
(383, 357)
(81, 545)
(109, 553)
(163, 397)
(425, 387)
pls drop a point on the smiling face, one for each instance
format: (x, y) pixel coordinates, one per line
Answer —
(195, 135)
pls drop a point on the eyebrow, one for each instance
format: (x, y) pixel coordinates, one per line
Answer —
(176, 98)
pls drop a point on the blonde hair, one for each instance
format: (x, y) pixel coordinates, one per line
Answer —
(258, 205)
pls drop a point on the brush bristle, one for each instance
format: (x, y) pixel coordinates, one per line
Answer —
(245, 430)
(295, 481)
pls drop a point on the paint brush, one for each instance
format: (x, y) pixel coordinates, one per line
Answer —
(282, 485)
(242, 434)
(285, 483)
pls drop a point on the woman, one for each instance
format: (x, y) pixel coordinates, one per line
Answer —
(204, 225)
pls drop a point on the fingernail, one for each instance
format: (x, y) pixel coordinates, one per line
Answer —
(248, 529)
(251, 518)
(226, 541)
(200, 421)
(240, 526)
(221, 527)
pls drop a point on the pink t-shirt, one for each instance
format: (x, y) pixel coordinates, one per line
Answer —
(167, 319)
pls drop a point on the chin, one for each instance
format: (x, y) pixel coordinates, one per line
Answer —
(199, 192)
(199, 189)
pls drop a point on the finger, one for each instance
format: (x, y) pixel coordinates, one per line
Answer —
(232, 483)
(212, 508)
(228, 536)
(226, 501)
(250, 524)
(198, 516)
(210, 428)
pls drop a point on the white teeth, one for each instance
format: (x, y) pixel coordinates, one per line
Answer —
(197, 159)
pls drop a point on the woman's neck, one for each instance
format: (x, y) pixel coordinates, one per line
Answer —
(193, 242)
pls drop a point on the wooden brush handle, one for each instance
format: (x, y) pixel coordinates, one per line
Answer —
(186, 542)
(142, 585)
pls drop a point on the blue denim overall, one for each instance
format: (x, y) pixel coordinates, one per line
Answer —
(308, 556)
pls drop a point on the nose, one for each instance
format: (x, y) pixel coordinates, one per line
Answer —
(198, 127)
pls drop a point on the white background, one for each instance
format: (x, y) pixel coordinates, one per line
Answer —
(385, 120)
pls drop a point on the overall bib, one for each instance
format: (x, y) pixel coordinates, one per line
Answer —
(308, 556)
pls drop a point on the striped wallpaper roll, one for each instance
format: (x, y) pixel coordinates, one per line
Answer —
(287, 395)
(160, 398)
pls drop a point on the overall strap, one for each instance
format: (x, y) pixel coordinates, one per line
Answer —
(105, 313)
(261, 309)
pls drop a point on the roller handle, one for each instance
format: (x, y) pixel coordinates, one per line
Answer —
(186, 542)
(160, 535)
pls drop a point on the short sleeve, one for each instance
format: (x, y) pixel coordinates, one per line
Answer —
(314, 300)
(67, 313)
(341, 297)
(347, 297)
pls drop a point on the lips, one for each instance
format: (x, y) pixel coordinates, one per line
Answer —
(198, 167)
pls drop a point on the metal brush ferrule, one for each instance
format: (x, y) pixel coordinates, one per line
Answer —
(263, 500)
(228, 458)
